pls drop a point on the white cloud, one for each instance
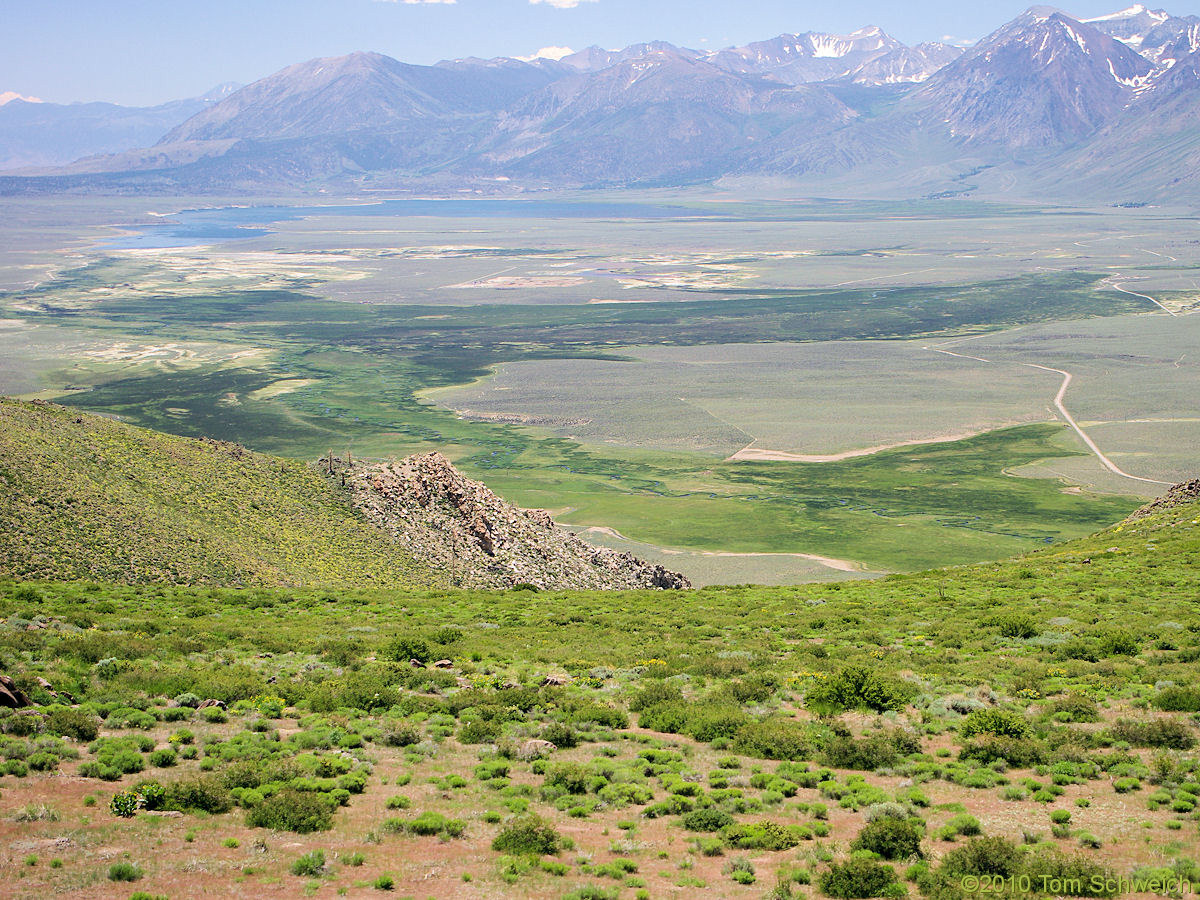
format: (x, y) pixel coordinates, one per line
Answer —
(561, 4)
(555, 53)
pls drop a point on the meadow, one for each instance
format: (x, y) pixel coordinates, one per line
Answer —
(337, 329)
(1030, 723)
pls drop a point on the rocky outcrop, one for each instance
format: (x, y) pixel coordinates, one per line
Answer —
(480, 540)
(1180, 494)
(12, 696)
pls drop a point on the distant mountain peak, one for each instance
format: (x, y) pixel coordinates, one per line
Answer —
(10, 96)
(1137, 11)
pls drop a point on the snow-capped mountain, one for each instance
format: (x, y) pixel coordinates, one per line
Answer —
(1047, 99)
(809, 57)
(1155, 34)
(1043, 79)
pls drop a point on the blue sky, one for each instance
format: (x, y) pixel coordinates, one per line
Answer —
(149, 51)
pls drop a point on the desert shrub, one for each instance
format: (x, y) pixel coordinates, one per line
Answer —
(290, 810)
(163, 759)
(400, 735)
(1088, 878)
(780, 739)
(762, 836)
(655, 694)
(124, 871)
(857, 878)
(479, 731)
(1075, 708)
(75, 723)
(870, 753)
(202, 792)
(890, 837)
(310, 865)
(1154, 733)
(984, 856)
(670, 717)
(430, 823)
(707, 722)
(988, 748)
(561, 735)
(857, 687)
(1178, 698)
(404, 647)
(995, 721)
(1117, 643)
(528, 835)
(708, 819)
(1017, 625)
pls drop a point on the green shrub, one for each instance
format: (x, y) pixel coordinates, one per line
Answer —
(708, 819)
(763, 836)
(290, 810)
(890, 838)
(1178, 698)
(201, 792)
(857, 878)
(528, 835)
(310, 865)
(857, 687)
(75, 723)
(384, 883)
(123, 804)
(1154, 733)
(1018, 625)
(430, 823)
(406, 647)
(124, 871)
(774, 738)
(1000, 722)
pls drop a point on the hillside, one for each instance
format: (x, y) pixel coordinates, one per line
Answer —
(86, 497)
(1032, 716)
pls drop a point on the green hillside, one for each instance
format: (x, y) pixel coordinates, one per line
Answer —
(85, 497)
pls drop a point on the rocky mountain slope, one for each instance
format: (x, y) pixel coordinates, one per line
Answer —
(459, 526)
(1048, 105)
(87, 497)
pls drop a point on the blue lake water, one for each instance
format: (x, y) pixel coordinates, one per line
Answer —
(205, 226)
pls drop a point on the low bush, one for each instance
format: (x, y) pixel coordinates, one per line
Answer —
(528, 835)
(291, 810)
(857, 878)
(890, 838)
(1001, 722)
(310, 865)
(202, 792)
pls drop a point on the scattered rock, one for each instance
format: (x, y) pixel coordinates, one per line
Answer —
(211, 703)
(443, 664)
(556, 680)
(12, 696)
(1180, 494)
(480, 540)
(416, 664)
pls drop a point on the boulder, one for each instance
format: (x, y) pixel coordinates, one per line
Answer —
(443, 664)
(207, 704)
(12, 696)
(532, 749)
(556, 680)
(416, 664)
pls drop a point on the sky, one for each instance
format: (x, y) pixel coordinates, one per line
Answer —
(143, 52)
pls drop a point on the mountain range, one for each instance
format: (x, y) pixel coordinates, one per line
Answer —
(1047, 104)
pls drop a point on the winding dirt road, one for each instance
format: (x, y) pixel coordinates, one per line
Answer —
(1060, 404)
